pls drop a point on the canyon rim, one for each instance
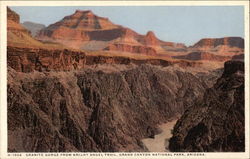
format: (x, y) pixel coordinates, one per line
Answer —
(87, 82)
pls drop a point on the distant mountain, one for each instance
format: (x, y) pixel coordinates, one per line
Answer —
(34, 28)
(214, 42)
(202, 56)
(85, 30)
(226, 45)
(215, 49)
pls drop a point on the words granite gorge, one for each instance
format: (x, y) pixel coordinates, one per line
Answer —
(84, 84)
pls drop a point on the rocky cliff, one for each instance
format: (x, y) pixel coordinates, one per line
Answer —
(94, 110)
(216, 122)
(31, 59)
(40, 59)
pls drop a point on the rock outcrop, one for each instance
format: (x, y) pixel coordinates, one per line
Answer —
(87, 110)
(216, 122)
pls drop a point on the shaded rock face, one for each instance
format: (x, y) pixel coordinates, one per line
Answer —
(34, 28)
(92, 110)
(203, 56)
(29, 60)
(215, 123)
(239, 57)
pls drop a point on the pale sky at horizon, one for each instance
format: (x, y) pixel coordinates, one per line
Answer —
(183, 24)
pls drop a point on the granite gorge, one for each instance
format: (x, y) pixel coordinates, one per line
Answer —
(88, 110)
(216, 122)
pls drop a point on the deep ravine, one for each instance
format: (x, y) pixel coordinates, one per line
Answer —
(95, 110)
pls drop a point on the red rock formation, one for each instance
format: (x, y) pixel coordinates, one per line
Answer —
(11, 15)
(13, 24)
(131, 48)
(203, 56)
(214, 42)
(151, 40)
(28, 59)
(44, 60)
(228, 46)
(83, 27)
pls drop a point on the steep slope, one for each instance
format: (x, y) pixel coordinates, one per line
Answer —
(88, 110)
(85, 30)
(34, 28)
(216, 122)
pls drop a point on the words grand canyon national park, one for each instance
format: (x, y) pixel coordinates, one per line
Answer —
(83, 83)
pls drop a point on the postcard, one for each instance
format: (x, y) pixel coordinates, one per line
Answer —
(124, 79)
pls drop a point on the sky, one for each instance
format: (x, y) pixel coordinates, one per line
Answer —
(182, 24)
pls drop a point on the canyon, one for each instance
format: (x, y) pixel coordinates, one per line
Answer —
(84, 84)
